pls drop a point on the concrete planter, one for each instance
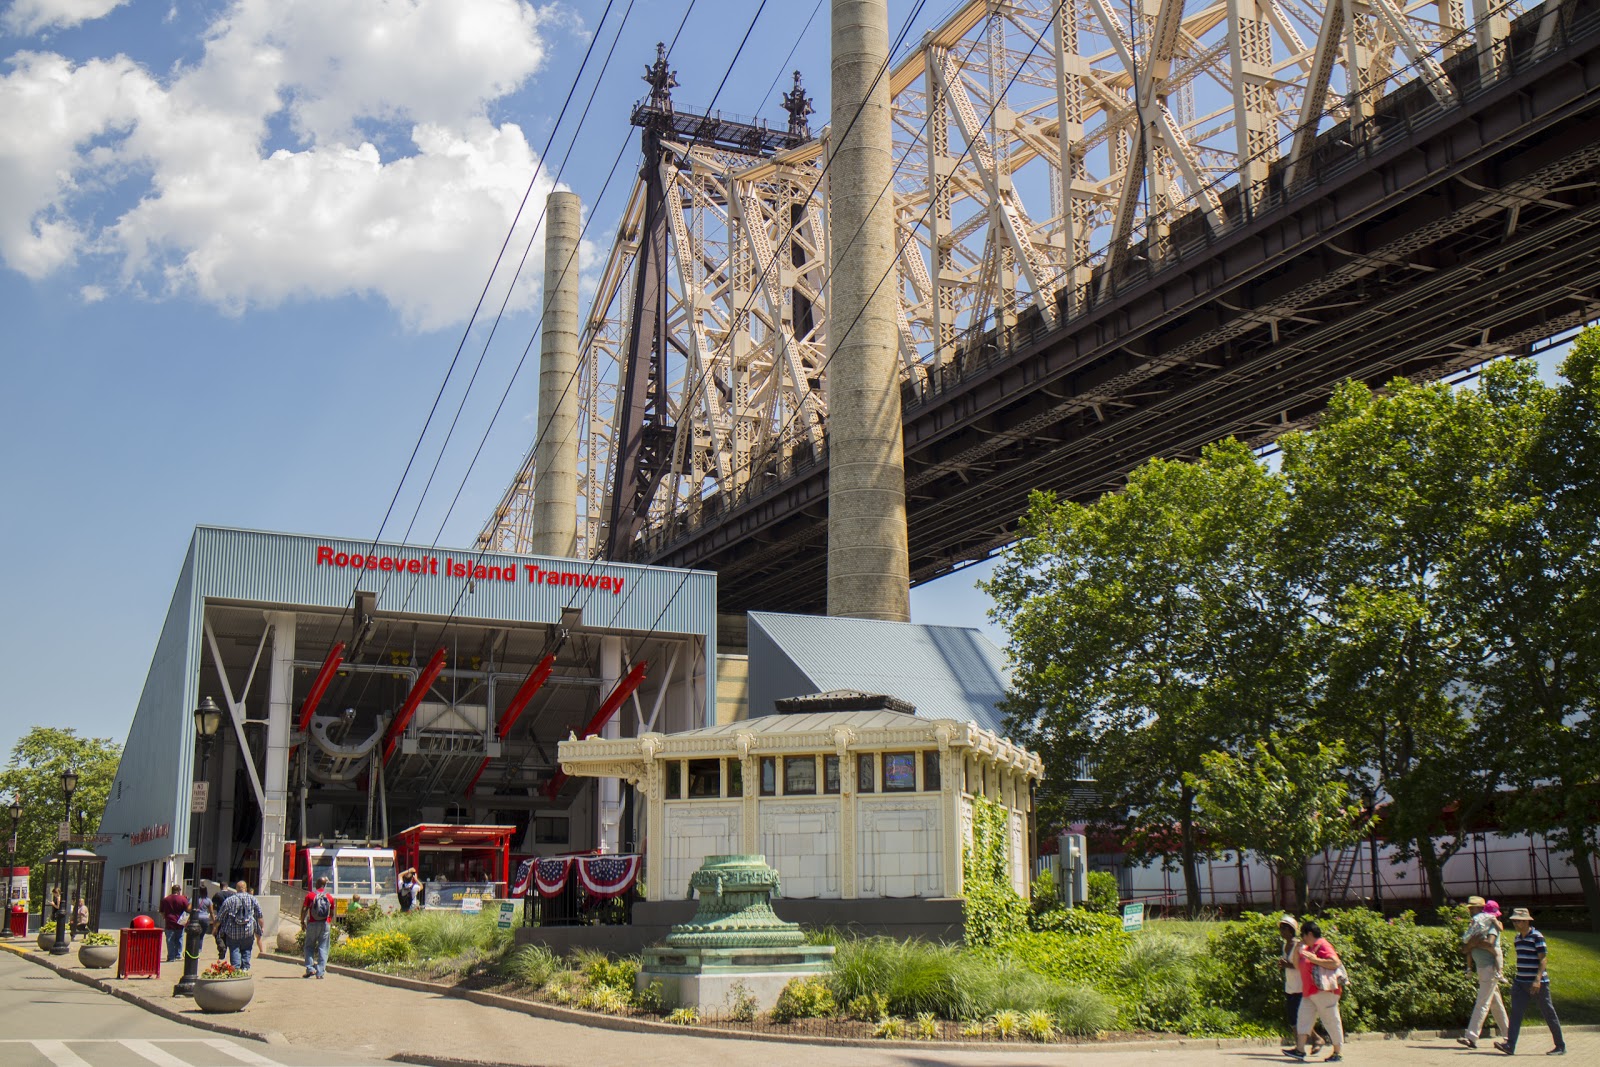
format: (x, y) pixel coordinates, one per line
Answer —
(47, 939)
(221, 995)
(97, 956)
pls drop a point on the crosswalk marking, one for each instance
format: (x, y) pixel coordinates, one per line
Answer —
(159, 1057)
(242, 1054)
(59, 1054)
(150, 1050)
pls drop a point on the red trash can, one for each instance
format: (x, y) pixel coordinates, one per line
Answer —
(139, 954)
(19, 920)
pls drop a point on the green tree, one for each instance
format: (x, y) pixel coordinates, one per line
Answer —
(1383, 493)
(1531, 581)
(1283, 800)
(33, 775)
(1147, 629)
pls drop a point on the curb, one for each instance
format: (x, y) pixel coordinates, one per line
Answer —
(270, 1037)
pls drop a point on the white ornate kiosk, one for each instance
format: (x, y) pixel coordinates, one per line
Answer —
(846, 805)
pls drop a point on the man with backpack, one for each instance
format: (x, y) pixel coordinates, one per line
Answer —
(316, 912)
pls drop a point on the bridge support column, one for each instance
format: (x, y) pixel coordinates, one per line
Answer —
(555, 463)
(868, 561)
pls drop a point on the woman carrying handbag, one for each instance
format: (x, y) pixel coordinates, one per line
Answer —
(1323, 977)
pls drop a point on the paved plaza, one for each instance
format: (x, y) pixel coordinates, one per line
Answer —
(365, 1022)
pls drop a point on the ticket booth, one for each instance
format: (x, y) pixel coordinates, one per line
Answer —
(455, 862)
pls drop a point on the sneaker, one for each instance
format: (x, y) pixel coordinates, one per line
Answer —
(1559, 1050)
(1503, 1047)
(1296, 1053)
(1335, 1058)
(1470, 1042)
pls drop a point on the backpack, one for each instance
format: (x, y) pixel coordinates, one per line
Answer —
(321, 908)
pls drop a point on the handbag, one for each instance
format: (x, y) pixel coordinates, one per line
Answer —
(1330, 980)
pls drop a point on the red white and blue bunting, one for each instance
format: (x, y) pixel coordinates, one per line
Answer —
(608, 876)
(519, 884)
(550, 875)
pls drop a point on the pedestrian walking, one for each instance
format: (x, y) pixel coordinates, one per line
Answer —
(409, 889)
(217, 900)
(175, 910)
(1481, 943)
(1531, 982)
(1289, 931)
(1322, 977)
(240, 923)
(316, 911)
(200, 912)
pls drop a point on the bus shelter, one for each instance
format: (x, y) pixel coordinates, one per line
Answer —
(72, 882)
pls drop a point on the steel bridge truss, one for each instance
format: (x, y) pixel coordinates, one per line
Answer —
(1042, 151)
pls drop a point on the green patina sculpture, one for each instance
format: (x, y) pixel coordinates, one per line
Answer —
(735, 909)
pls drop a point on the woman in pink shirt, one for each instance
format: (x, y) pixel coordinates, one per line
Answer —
(1321, 999)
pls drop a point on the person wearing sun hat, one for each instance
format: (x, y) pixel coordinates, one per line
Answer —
(1532, 982)
(1481, 943)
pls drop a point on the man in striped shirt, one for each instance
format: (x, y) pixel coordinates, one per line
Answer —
(1531, 982)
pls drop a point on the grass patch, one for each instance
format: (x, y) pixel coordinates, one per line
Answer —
(1575, 970)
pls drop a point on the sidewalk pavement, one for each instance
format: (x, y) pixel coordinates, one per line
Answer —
(427, 1026)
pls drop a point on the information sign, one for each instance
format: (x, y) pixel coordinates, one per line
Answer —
(472, 905)
(508, 915)
(198, 797)
(1132, 917)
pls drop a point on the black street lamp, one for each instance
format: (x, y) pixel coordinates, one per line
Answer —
(11, 868)
(207, 720)
(69, 785)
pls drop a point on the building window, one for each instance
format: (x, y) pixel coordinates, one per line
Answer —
(769, 776)
(899, 772)
(830, 774)
(735, 778)
(674, 779)
(930, 770)
(705, 778)
(550, 830)
(866, 776)
(799, 776)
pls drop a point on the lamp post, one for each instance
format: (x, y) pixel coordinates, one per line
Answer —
(69, 786)
(11, 869)
(207, 720)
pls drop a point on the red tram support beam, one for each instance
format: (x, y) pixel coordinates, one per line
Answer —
(623, 690)
(519, 703)
(330, 667)
(425, 680)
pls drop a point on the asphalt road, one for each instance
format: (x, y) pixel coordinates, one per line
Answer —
(49, 1021)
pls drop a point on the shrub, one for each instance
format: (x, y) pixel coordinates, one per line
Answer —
(684, 1016)
(373, 948)
(926, 1026)
(1083, 1012)
(651, 998)
(1004, 984)
(1039, 1025)
(1104, 896)
(890, 1028)
(1156, 977)
(531, 966)
(1245, 977)
(868, 1007)
(440, 934)
(742, 1003)
(606, 999)
(1005, 1024)
(975, 1028)
(97, 940)
(358, 917)
(1089, 960)
(1208, 1020)
(803, 998)
(600, 970)
(909, 976)
(1078, 922)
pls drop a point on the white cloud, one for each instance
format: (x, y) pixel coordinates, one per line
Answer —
(220, 217)
(31, 16)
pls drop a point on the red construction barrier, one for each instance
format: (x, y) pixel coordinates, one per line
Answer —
(139, 954)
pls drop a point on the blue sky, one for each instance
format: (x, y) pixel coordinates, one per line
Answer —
(239, 243)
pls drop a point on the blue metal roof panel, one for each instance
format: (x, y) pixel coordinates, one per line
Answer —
(947, 672)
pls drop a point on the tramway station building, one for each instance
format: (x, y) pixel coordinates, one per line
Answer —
(356, 690)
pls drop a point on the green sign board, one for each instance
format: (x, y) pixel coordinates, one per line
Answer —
(508, 915)
(1132, 917)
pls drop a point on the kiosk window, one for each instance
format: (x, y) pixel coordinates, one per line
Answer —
(799, 775)
(830, 774)
(899, 772)
(769, 776)
(674, 779)
(705, 778)
(735, 778)
(930, 770)
(866, 778)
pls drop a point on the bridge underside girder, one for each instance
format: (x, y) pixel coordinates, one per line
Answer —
(1422, 245)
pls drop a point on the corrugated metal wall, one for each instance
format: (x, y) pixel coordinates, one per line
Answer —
(152, 783)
